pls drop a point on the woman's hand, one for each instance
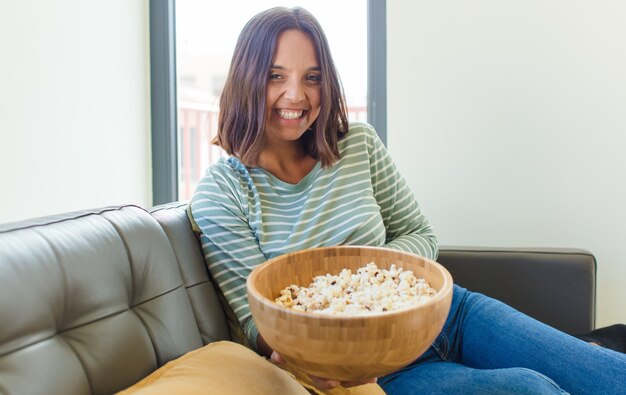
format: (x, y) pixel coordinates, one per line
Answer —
(323, 383)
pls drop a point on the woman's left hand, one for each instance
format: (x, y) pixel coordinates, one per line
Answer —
(324, 383)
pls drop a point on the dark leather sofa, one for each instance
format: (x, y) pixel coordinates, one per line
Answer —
(93, 301)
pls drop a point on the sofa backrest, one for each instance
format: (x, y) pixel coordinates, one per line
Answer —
(93, 301)
(556, 286)
(205, 303)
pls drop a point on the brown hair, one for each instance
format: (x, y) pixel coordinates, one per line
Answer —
(242, 114)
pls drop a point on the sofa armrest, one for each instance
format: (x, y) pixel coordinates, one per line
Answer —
(555, 286)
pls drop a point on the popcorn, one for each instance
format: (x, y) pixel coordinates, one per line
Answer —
(369, 290)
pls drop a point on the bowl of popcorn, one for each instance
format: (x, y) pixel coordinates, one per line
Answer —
(349, 313)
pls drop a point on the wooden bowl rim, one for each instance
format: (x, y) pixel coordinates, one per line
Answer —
(446, 288)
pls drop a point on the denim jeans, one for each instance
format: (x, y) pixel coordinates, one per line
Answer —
(487, 347)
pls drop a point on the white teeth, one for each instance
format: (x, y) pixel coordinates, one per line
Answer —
(289, 114)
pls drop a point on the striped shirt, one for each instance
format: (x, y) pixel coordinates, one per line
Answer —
(248, 216)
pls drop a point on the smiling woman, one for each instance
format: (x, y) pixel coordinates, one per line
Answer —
(298, 175)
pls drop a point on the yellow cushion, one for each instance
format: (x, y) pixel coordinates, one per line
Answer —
(218, 368)
(229, 368)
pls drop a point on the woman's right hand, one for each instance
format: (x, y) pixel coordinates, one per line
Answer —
(324, 383)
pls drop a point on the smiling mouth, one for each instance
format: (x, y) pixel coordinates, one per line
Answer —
(290, 114)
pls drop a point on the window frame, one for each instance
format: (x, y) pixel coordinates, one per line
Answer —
(164, 106)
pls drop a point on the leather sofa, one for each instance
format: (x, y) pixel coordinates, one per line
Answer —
(93, 301)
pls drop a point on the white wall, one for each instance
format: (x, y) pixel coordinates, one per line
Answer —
(74, 106)
(508, 118)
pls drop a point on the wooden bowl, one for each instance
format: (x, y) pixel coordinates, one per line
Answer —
(346, 347)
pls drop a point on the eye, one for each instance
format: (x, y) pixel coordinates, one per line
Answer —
(313, 78)
(275, 76)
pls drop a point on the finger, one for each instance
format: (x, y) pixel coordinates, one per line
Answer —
(359, 382)
(277, 358)
(324, 384)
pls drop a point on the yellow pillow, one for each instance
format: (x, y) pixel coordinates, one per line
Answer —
(218, 368)
(229, 368)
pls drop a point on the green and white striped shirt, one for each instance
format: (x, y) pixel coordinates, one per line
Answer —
(248, 216)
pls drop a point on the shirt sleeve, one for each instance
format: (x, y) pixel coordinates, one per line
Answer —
(230, 248)
(407, 227)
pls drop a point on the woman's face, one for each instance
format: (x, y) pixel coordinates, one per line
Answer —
(294, 88)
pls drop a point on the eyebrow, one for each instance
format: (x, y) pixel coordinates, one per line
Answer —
(279, 67)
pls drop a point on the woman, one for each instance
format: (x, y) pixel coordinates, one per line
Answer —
(299, 176)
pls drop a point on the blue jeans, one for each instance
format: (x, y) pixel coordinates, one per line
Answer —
(487, 347)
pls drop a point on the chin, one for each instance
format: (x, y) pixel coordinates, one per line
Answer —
(289, 135)
(293, 136)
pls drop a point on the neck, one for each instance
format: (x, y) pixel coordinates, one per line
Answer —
(288, 162)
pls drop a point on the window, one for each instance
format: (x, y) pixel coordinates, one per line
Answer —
(197, 39)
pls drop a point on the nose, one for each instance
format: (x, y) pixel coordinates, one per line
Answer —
(294, 91)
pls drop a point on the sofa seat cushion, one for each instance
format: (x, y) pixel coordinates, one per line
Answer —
(229, 368)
